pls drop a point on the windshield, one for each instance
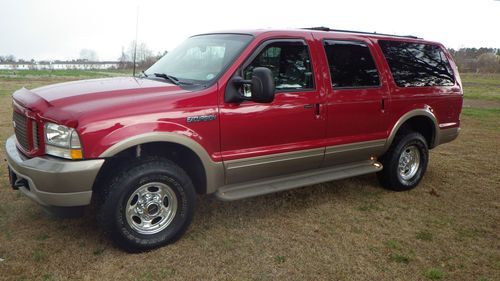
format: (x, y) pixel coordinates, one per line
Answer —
(202, 58)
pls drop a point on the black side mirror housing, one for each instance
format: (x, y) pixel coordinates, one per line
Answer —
(262, 87)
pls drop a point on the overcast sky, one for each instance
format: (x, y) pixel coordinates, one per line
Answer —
(59, 29)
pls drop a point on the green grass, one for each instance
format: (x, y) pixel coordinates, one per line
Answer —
(4, 216)
(393, 244)
(368, 207)
(42, 237)
(295, 235)
(482, 113)
(489, 117)
(481, 86)
(424, 235)
(434, 274)
(47, 277)
(11, 81)
(63, 73)
(280, 259)
(399, 258)
(469, 233)
(98, 251)
(38, 255)
(161, 274)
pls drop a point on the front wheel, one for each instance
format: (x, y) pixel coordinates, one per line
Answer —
(405, 162)
(147, 204)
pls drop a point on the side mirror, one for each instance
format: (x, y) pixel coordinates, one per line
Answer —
(262, 87)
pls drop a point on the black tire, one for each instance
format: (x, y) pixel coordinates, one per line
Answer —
(122, 188)
(406, 142)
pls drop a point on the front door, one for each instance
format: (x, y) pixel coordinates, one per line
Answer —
(260, 140)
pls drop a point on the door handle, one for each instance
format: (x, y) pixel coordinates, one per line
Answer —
(317, 108)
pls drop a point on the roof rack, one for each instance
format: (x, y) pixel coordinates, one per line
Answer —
(322, 28)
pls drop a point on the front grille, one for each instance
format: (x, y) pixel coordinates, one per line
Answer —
(21, 130)
(34, 133)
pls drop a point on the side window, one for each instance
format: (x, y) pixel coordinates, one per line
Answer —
(417, 65)
(351, 64)
(289, 62)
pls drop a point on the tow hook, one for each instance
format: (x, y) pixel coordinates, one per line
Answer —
(20, 183)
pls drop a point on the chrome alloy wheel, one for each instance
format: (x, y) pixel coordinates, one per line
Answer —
(151, 208)
(409, 162)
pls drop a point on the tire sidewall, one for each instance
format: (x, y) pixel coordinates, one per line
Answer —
(412, 139)
(127, 184)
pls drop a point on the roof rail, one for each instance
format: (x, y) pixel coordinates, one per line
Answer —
(322, 28)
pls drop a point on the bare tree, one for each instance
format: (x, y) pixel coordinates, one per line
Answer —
(144, 56)
(88, 55)
(123, 59)
(487, 62)
(8, 58)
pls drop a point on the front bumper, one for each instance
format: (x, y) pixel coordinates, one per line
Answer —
(52, 181)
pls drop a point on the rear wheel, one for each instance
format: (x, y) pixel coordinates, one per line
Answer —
(147, 204)
(405, 162)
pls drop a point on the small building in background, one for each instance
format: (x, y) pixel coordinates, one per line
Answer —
(60, 65)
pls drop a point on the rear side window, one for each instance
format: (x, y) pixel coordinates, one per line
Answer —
(417, 65)
(351, 64)
(289, 62)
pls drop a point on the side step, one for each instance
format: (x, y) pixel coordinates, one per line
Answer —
(275, 184)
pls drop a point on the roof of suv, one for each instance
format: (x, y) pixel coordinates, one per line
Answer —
(341, 34)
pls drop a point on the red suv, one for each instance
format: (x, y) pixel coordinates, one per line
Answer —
(234, 114)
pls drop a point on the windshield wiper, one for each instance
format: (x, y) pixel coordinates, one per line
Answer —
(172, 79)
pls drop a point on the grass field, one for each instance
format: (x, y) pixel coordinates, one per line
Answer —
(62, 73)
(448, 228)
(481, 86)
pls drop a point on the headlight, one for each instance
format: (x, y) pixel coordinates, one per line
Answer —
(62, 141)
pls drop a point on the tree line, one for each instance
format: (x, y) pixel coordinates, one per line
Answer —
(144, 57)
(478, 60)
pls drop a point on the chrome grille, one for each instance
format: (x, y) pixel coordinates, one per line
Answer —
(34, 133)
(21, 130)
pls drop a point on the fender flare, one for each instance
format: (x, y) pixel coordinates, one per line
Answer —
(214, 171)
(425, 112)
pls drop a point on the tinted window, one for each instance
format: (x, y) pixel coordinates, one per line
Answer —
(289, 63)
(417, 65)
(351, 64)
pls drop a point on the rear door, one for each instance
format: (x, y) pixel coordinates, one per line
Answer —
(261, 140)
(356, 122)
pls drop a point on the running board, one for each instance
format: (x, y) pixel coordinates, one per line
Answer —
(275, 184)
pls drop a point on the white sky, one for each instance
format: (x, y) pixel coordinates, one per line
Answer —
(59, 29)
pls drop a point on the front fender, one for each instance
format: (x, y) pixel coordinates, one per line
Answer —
(133, 135)
(116, 141)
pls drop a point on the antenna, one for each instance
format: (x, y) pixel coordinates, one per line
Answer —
(135, 42)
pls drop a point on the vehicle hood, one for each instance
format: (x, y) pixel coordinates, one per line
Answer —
(73, 100)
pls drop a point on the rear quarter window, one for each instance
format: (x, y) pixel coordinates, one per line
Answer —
(417, 65)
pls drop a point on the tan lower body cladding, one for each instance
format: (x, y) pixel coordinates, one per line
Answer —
(248, 169)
